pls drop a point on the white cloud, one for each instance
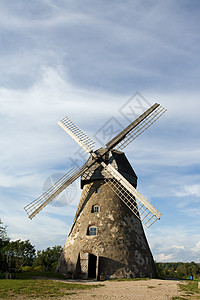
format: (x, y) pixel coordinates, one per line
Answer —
(163, 257)
(178, 247)
(29, 117)
(101, 49)
(192, 212)
(38, 230)
(191, 190)
(197, 247)
(177, 242)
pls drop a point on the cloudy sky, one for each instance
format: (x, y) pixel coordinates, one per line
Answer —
(94, 60)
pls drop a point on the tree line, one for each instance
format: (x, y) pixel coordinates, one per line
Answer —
(21, 255)
(178, 270)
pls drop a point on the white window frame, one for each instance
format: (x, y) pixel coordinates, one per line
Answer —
(95, 208)
(92, 230)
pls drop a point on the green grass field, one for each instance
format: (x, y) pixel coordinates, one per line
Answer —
(190, 291)
(27, 287)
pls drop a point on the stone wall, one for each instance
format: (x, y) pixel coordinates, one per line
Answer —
(120, 243)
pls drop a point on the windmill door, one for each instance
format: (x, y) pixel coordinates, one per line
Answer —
(84, 258)
(92, 266)
(88, 265)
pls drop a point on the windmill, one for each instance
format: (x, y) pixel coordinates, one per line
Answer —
(107, 236)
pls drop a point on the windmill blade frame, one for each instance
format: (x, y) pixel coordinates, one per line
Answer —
(77, 134)
(148, 214)
(38, 204)
(133, 130)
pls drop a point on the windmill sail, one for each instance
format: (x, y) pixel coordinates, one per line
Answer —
(132, 131)
(77, 134)
(148, 214)
(133, 199)
(37, 205)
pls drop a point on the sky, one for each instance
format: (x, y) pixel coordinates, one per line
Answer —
(101, 63)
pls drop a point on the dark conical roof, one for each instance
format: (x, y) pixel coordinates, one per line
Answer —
(118, 161)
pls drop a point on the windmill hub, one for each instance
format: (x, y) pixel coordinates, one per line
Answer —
(116, 159)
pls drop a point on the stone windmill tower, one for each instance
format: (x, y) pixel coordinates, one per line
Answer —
(107, 236)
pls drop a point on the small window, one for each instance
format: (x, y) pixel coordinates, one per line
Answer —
(95, 208)
(106, 156)
(92, 230)
(98, 190)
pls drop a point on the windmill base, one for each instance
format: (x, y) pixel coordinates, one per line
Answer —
(90, 266)
(118, 250)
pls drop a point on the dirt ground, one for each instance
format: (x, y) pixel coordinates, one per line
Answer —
(153, 289)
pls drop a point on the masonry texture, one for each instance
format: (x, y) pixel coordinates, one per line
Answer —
(118, 247)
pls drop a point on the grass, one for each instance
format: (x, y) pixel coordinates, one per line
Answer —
(191, 287)
(190, 291)
(129, 279)
(179, 298)
(27, 287)
(34, 274)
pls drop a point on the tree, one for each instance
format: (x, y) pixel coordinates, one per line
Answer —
(192, 269)
(181, 270)
(4, 240)
(3, 235)
(19, 253)
(48, 259)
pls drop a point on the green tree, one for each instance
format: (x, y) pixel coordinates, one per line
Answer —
(4, 240)
(48, 259)
(192, 269)
(181, 270)
(19, 253)
(3, 235)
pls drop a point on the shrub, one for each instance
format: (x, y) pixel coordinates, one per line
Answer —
(2, 275)
(26, 269)
(38, 269)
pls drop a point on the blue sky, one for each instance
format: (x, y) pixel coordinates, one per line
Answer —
(86, 59)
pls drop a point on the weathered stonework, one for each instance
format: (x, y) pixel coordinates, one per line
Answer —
(119, 249)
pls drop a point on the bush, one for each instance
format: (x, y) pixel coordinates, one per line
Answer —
(48, 259)
(38, 269)
(26, 269)
(2, 275)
